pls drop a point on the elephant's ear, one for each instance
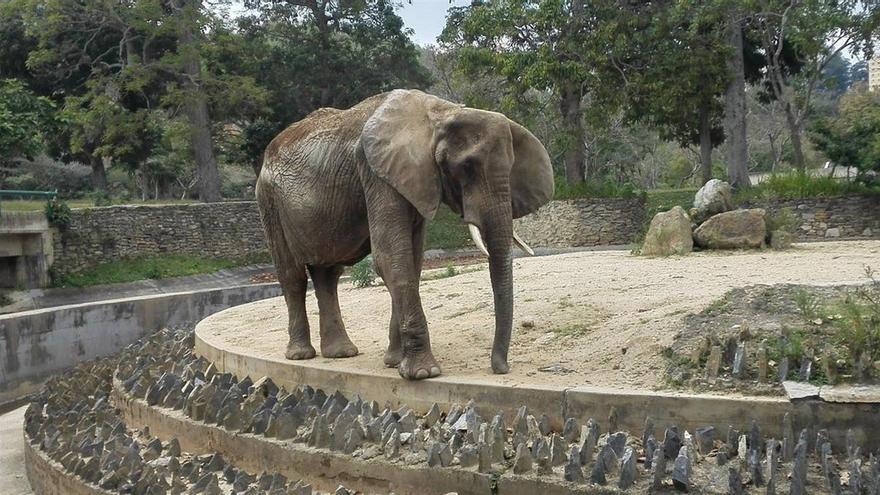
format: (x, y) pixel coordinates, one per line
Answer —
(398, 142)
(531, 177)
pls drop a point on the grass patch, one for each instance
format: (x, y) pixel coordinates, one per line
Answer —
(572, 330)
(451, 271)
(446, 231)
(798, 185)
(659, 200)
(40, 205)
(152, 267)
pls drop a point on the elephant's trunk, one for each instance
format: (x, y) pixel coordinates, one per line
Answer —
(498, 230)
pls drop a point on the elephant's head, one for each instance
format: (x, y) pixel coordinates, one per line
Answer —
(483, 165)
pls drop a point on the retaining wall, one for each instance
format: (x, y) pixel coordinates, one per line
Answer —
(584, 222)
(35, 344)
(101, 235)
(819, 219)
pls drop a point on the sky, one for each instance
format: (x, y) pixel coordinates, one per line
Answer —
(427, 17)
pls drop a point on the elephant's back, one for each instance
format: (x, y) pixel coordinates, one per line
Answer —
(325, 130)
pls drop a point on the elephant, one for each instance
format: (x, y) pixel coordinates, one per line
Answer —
(341, 184)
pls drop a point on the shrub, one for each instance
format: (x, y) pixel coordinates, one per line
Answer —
(362, 273)
(57, 213)
(71, 180)
(797, 185)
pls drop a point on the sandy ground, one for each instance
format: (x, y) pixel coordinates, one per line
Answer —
(589, 318)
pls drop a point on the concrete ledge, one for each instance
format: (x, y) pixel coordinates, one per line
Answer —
(324, 469)
(688, 411)
(35, 344)
(48, 477)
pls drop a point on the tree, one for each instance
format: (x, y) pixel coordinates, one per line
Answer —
(560, 46)
(25, 120)
(818, 31)
(735, 104)
(310, 54)
(679, 77)
(852, 138)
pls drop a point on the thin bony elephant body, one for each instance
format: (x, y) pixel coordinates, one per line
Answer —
(340, 184)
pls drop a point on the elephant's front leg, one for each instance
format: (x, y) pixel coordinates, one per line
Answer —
(395, 232)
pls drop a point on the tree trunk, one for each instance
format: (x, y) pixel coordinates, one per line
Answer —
(99, 173)
(572, 122)
(797, 148)
(735, 108)
(705, 143)
(196, 105)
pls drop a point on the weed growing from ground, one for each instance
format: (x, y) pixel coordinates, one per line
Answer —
(362, 273)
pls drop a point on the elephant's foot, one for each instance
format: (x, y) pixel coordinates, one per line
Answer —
(297, 350)
(499, 365)
(419, 366)
(393, 357)
(338, 347)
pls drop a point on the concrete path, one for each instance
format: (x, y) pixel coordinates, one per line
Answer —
(12, 476)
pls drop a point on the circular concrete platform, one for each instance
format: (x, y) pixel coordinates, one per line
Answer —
(574, 313)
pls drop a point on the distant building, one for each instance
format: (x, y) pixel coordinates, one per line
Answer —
(874, 73)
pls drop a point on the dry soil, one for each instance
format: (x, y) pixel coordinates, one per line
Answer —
(590, 318)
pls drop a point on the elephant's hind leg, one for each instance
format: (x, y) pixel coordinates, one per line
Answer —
(293, 280)
(334, 339)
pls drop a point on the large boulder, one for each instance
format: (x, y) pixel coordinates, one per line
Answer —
(669, 233)
(716, 196)
(733, 230)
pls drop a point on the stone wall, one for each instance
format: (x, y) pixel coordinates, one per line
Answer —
(584, 222)
(820, 219)
(101, 235)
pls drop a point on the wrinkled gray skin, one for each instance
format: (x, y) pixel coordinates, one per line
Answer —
(342, 183)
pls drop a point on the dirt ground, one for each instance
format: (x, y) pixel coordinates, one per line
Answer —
(600, 318)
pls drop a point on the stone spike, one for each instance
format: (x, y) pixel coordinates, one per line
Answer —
(627, 469)
(522, 463)
(572, 472)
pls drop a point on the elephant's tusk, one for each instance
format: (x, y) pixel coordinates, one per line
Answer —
(477, 238)
(522, 244)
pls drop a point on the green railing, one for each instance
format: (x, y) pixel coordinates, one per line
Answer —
(13, 194)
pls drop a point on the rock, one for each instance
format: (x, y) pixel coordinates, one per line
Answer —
(739, 359)
(681, 471)
(734, 481)
(468, 455)
(832, 233)
(772, 465)
(669, 234)
(570, 430)
(573, 472)
(617, 442)
(650, 448)
(557, 450)
(589, 438)
(671, 442)
(433, 415)
(705, 439)
(713, 364)
(522, 463)
(733, 230)
(780, 239)
(658, 465)
(799, 467)
(716, 196)
(627, 469)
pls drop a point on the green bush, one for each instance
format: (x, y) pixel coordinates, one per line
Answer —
(798, 185)
(446, 231)
(362, 273)
(57, 213)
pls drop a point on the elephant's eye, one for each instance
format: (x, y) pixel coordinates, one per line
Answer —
(467, 169)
